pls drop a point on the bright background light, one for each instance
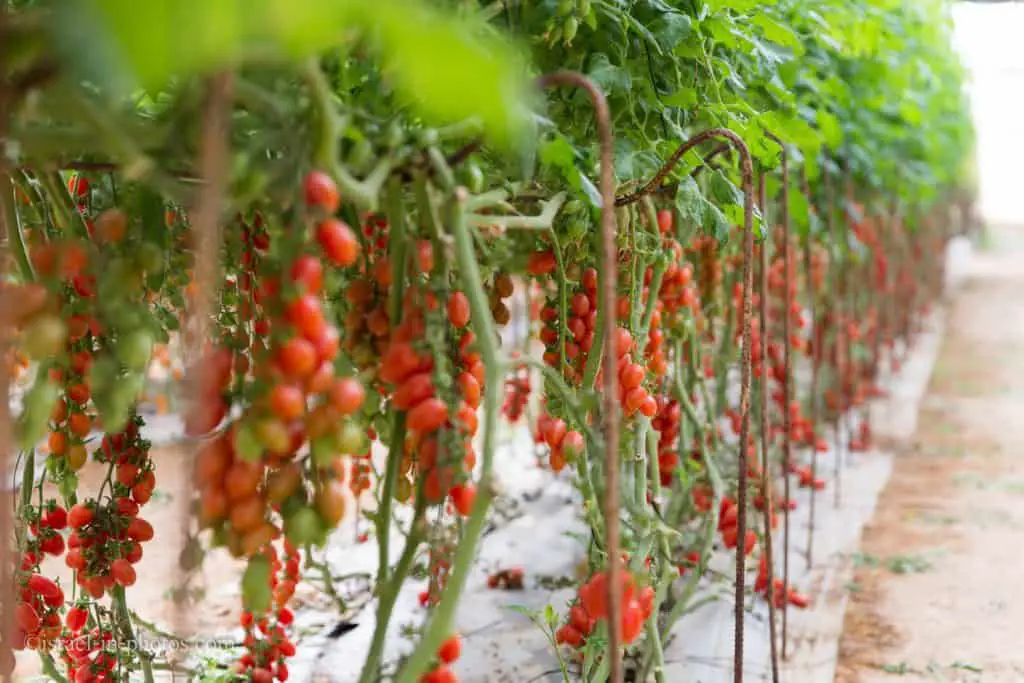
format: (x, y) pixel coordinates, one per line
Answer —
(990, 36)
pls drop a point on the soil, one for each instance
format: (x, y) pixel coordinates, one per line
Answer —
(934, 596)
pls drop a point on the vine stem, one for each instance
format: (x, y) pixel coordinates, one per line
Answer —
(12, 228)
(766, 468)
(396, 219)
(747, 173)
(815, 371)
(128, 631)
(838, 322)
(66, 214)
(439, 625)
(787, 380)
(7, 592)
(389, 593)
(214, 157)
(363, 194)
(610, 412)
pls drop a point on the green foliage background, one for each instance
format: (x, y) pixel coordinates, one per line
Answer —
(871, 86)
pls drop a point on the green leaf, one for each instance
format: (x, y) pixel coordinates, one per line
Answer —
(830, 129)
(672, 28)
(685, 98)
(735, 5)
(558, 152)
(791, 129)
(713, 220)
(643, 32)
(799, 209)
(689, 201)
(443, 67)
(436, 61)
(723, 191)
(590, 190)
(778, 33)
(612, 79)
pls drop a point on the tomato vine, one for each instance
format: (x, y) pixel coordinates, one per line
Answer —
(333, 233)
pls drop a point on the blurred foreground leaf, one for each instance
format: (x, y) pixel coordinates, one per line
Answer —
(450, 68)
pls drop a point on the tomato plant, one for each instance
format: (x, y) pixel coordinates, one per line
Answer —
(717, 231)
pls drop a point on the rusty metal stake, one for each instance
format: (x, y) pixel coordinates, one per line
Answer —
(611, 381)
(747, 173)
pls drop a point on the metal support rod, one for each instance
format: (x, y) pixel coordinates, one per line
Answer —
(610, 412)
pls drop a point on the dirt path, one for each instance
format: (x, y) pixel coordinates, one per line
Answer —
(936, 594)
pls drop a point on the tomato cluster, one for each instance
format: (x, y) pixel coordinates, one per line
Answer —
(728, 526)
(447, 654)
(579, 326)
(37, 610)
(440, 426)
(439, 565)
(780, 593)
(266, 635)
(566, 445)
(500, 290)
(591, 607)
(678, 295)
(667, 423)
(106, 538)
(517, 394)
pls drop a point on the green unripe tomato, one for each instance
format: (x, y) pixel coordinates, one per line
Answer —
(250, 184)
(323, 451)
(122, 275)
(293, 503)
(573, 206)
(351, 439)
(36, 409)
(303, 527)
(472, 177)
(135, 349)
(570, 29)
(102, 372)
(256, 593)
(149, 258)
(576, 229)
(44, 337)
(219, 539)
(115, 406)
(247, 444)
(403, 490)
